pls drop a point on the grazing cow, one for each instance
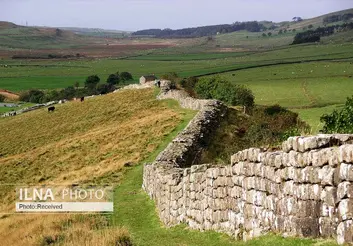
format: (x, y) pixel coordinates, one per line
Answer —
(82, 99)
(51, 109)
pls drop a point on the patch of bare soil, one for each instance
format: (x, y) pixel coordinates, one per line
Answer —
(9, 95)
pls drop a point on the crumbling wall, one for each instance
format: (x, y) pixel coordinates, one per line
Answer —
(306, 189)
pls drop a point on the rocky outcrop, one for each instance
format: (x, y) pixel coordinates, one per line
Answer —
(306, 189)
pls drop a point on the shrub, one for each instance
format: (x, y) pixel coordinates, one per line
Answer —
(172, 76)
(2, 98)
(67, 93)
(113, 79)
(339, 121)
(92, 81)
(125, 76)
(218, 88)
(33, 96)
(105, 88)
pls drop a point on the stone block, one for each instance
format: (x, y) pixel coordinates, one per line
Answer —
(345, 232)
(346, 172)
(329, 196)
(327, 227)
(328, 211)
(345, 209)
(345, 190)
(346, 153)
(307, 227)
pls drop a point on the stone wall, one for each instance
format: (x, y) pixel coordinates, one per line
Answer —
(306, 189)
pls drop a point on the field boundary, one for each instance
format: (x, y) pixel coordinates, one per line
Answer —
(298, 190)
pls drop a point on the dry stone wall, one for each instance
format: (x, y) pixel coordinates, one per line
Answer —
(306, 189)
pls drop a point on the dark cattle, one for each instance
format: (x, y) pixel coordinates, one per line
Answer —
(51, 109)
(82, 99)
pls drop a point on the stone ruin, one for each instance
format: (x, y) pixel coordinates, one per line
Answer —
(306, 189)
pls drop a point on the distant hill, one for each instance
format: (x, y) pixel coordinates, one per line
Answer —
(319, 21)
(97, 32)
(5, 25)
(251, 26)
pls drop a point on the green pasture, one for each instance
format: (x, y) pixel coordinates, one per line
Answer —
(311, 89)
(8, 109)
(254, 40)
(48, 74)
(187, 56)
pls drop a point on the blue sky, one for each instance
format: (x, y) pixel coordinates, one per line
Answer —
(131, 15)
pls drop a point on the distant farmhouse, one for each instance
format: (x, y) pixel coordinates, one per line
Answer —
(147, 78)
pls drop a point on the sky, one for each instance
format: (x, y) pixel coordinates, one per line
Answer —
(132, 15)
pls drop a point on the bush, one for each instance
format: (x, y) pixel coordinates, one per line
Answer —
(2, 98)
(339, 121)
(172, 76)
(218, 88)
(92, 81)
(113, 79)
(33, 96)
(125, 76)
(105, 88)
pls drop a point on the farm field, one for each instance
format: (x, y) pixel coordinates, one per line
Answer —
(8, 109)
(50, 74)
(311, 89)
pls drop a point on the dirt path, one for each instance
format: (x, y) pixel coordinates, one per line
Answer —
(307, 94)
(9, 95)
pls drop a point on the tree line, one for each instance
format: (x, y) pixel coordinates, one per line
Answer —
(251, 26)
(315, 35)
(92, 86)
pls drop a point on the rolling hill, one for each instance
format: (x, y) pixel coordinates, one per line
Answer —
(86, 142)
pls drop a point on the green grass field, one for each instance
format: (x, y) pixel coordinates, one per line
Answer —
(22, 75)
(311, 89)
(7, 109)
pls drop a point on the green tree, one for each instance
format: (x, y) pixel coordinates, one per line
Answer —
(67, 93)
(310, 26)
(269, 34)
(92, 81)
(105, 88)
(58, 32)
(113, 79)
(77, 84)
(52, 96)
(33, 96)
(264, 35)
(125, 76)
(339, 121)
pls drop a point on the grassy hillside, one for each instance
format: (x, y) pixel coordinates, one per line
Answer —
(318, 21)
(90, 142)
(79, 142)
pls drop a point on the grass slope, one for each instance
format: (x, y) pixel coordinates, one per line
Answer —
(78, 143)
